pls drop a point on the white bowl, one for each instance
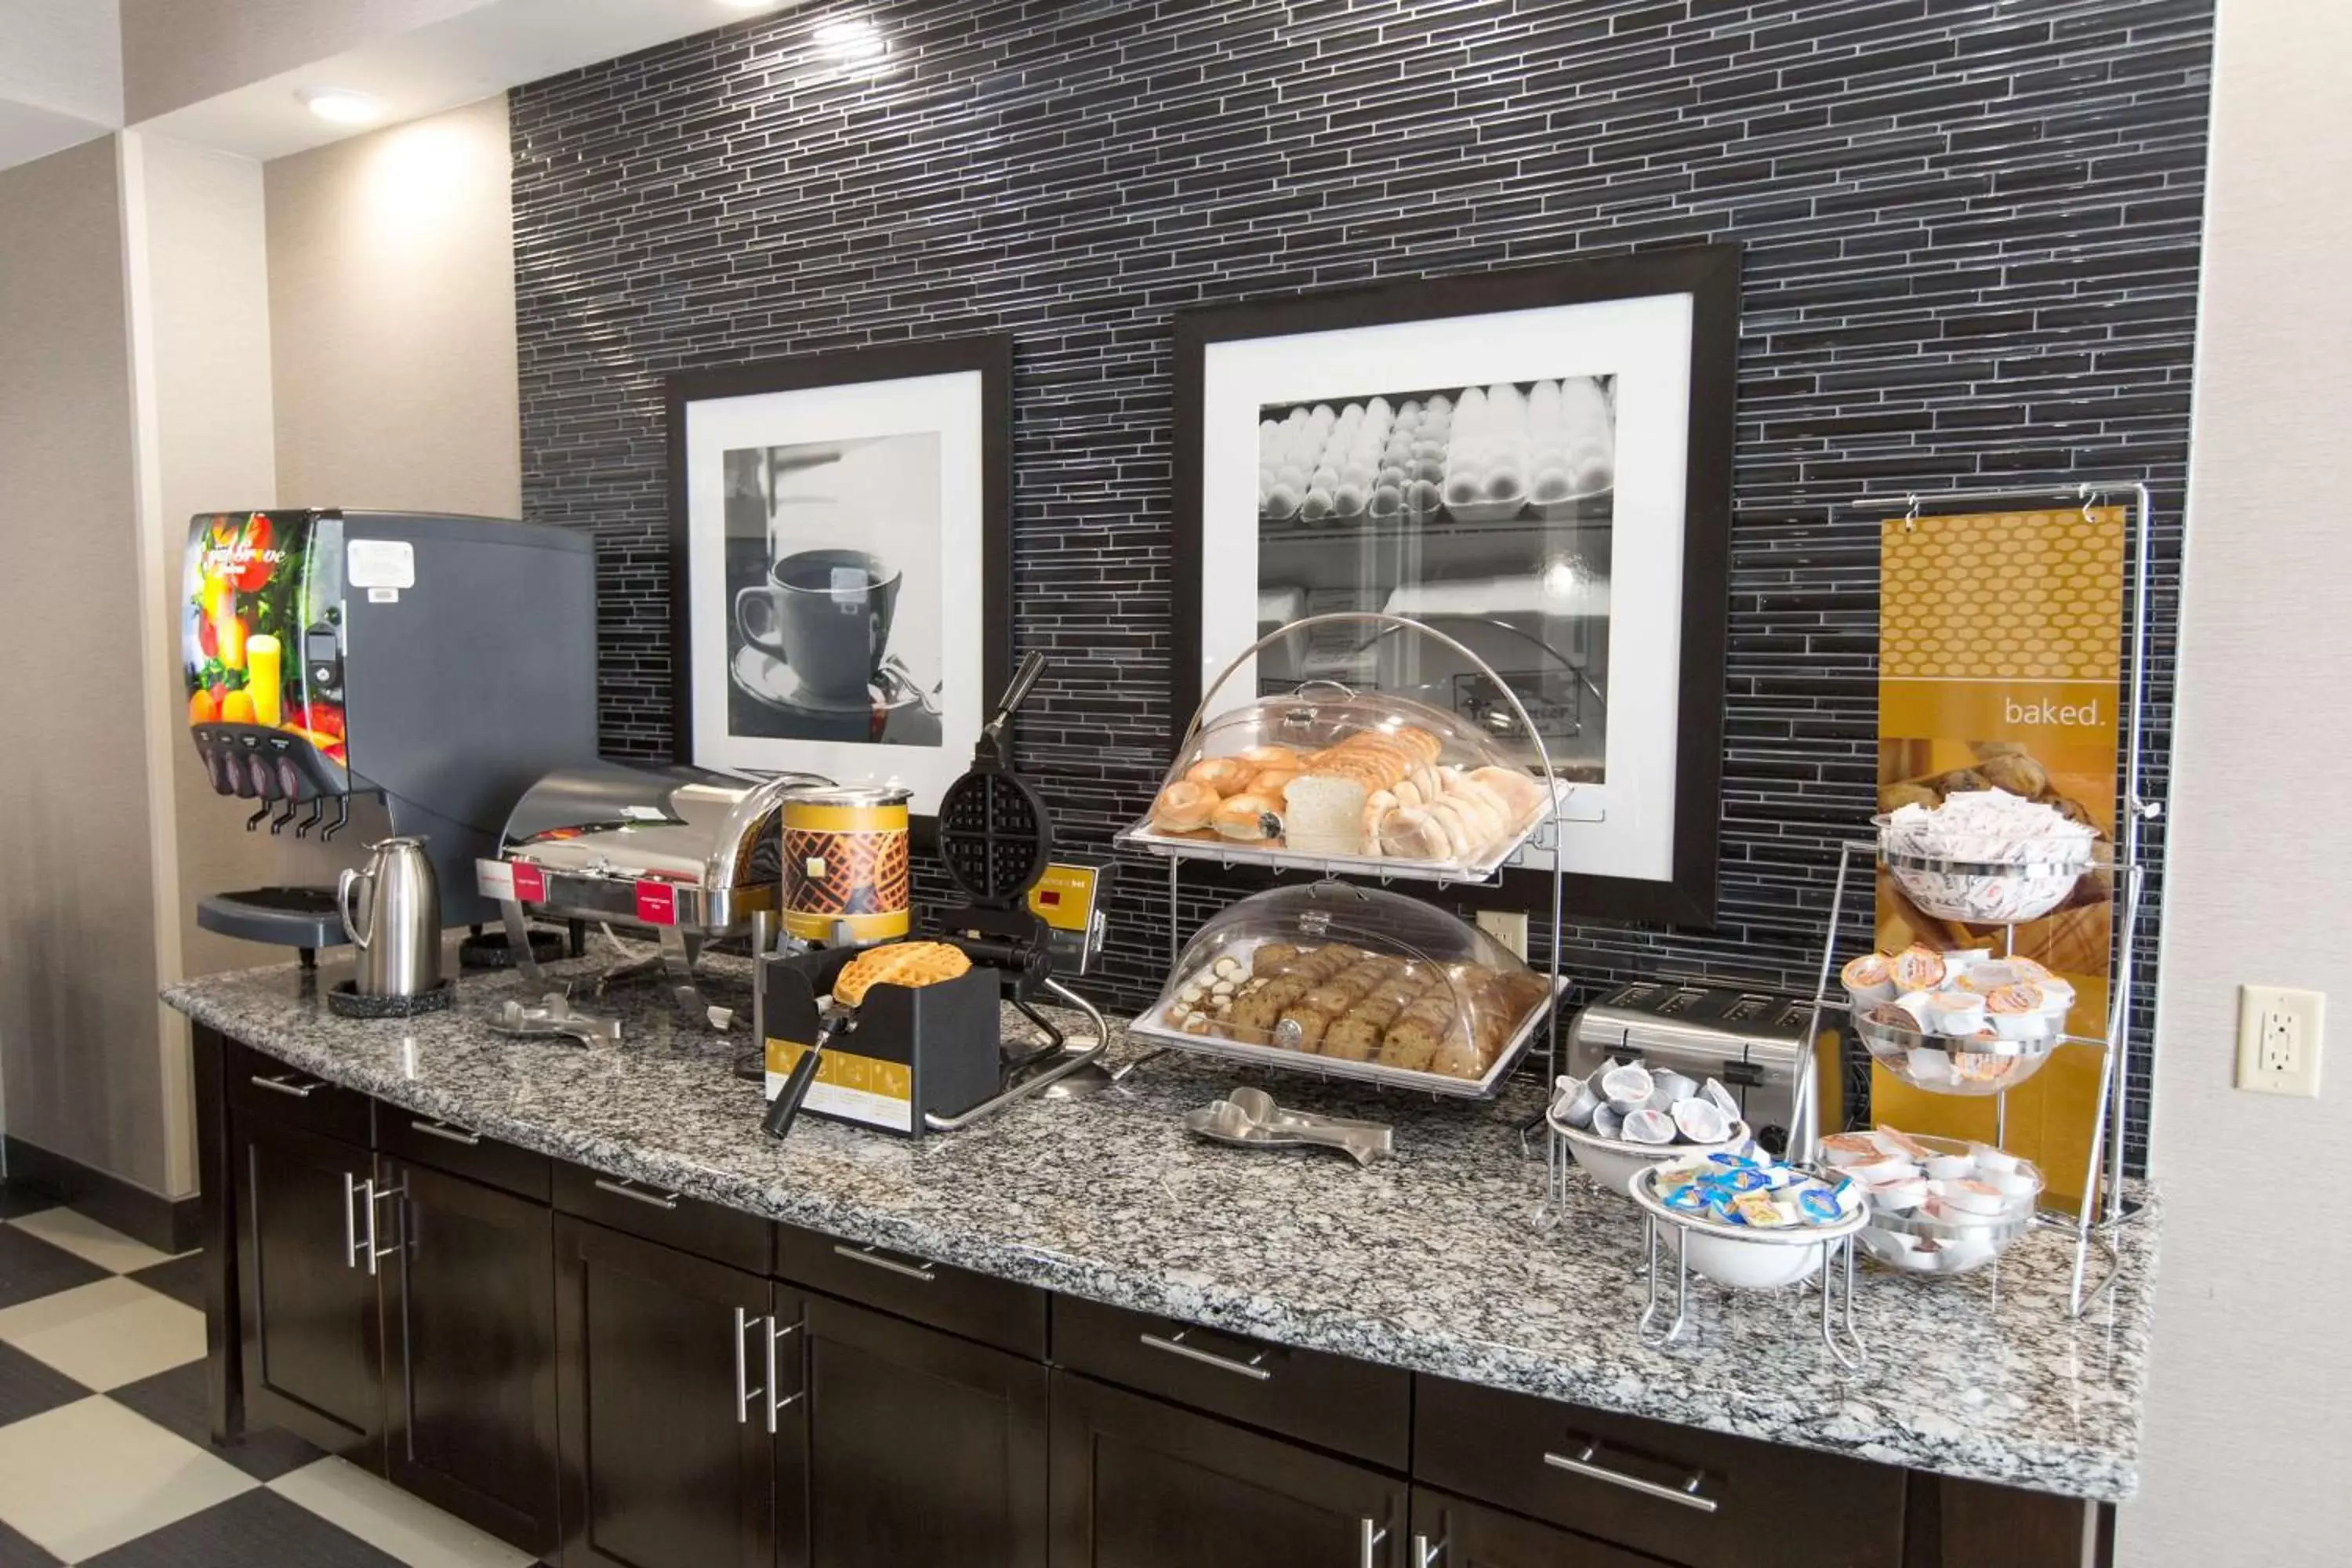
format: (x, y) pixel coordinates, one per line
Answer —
(1613, 1163)
(1744, 1259)
(1745, 1265)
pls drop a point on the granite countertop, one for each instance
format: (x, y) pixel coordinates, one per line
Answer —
(1443, 1260)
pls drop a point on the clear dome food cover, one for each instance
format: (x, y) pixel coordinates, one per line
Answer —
(1347, 780)
(1352, 982)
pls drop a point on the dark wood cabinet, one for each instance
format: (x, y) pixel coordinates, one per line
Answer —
(310, 1328)
(660, 1356)
(468, 1300)
(604, 1373)
(899, 1444)
(1138, 1484)
(1448, 1532)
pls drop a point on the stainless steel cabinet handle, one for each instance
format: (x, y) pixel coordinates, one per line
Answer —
(1369, 1541)
(370, 1197)
(1174, 1345)
(1424, 1555)
(866, 1254)
(284, 1084)
(623, 1190)
(350, 1219)
(775, 1340)
(1687, 1494)
(741, 1366)
(443, 1131)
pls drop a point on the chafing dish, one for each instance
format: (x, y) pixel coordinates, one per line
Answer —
(688, 855)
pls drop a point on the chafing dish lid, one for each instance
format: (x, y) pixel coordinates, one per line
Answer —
(682, 825)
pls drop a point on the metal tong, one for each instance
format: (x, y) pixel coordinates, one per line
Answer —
(551, 1016)
(1249, 1117)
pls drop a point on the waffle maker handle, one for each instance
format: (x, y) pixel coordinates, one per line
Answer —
(1033, 665)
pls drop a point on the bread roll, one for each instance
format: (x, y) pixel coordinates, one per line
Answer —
(1461, 843)
(1410, 833)
(1248, 818)
(1376, 804)
(1269, 781)
(1408, 793)
(1183, 806)
(1223, 774)
(1271, 757)
(1520, 792)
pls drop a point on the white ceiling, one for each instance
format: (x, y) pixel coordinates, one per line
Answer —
(61, 77)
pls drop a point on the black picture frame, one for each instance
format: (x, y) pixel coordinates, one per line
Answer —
(1710, 274)
(989, 355)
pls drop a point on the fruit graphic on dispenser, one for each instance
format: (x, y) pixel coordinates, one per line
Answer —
(253, 568)
(204, 708)
(237, 708)
(262, 680)
(228, 636)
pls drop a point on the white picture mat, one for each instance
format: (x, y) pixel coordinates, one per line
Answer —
(949, 404)
(1625, 826)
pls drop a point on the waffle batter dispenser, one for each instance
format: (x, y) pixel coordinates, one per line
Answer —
(440, 663)
(934, 1058)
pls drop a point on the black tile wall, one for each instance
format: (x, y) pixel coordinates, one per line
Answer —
(1971, 232)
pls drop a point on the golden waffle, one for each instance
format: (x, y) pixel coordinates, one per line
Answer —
(909, 964)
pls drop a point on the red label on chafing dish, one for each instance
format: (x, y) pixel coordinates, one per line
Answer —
(657, 903)
(529, 884)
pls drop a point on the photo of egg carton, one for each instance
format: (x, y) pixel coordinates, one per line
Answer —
(1478, 455)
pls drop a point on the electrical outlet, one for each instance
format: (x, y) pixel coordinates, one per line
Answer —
(1508, 927)
(2279, 1039)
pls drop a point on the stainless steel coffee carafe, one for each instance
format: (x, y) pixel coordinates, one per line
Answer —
(396, 929)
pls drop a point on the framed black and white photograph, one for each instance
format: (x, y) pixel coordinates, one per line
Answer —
(1535, 462)
(841, 555)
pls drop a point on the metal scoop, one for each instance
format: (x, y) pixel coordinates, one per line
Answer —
(1249, 1118)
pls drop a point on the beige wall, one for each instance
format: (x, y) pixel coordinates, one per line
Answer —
(393, 318)
(202, 339)
(175, 52)
(2250, 1434)
(77, 932)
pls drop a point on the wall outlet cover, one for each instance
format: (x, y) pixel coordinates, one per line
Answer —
(2280, 1034)
(1508, 927)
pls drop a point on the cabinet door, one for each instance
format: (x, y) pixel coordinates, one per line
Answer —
(307, 1303)
(1448, 1532)
(666, 1460)
(901, 1445)
(1138, 1484)
(469, 1343)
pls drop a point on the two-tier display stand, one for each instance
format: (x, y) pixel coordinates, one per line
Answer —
(1487, 871)
(2104, 1206)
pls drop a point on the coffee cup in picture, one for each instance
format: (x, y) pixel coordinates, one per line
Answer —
(826, 612)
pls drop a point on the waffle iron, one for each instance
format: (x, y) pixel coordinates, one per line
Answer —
(996, 837)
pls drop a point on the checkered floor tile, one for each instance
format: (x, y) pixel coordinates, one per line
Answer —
(104, 1459)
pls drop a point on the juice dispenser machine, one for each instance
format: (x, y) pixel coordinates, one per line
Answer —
(441, 663)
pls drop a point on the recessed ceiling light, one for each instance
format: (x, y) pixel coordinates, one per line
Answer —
(340, 106)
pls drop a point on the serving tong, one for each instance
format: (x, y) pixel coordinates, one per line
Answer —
(552, 1016)
(1249, 1118)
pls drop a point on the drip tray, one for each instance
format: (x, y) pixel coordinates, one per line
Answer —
(291, 917)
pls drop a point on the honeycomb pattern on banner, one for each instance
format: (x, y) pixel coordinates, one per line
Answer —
(2001, 596)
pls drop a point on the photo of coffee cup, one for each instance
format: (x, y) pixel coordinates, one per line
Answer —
(826, 614)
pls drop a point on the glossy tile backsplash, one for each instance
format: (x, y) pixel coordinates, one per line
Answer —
(1971, 232)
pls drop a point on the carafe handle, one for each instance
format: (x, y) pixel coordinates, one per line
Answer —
(344, 882)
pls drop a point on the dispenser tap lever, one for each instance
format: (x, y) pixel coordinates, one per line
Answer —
(342, 815)
(260, 815)
(318, 810)
(277, 823)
